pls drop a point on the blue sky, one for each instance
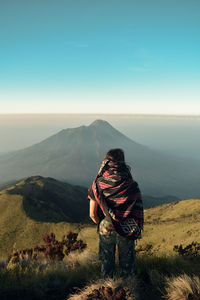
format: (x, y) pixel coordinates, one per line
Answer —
(109, 56)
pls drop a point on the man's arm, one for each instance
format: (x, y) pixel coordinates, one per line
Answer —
(93, 211)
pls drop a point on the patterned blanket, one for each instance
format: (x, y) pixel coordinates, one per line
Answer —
(119, 198)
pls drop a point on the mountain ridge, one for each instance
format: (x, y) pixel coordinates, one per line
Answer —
(47, 199)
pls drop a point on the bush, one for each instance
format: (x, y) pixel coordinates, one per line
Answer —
(191, 250)
(52, 250)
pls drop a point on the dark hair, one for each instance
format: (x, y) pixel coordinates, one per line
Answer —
(116, 154)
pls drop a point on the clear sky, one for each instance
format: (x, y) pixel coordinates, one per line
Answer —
(88, 56)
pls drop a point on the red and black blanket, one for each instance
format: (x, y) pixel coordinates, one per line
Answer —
(119, 198)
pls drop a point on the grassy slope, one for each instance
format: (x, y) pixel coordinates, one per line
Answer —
(171, 224)
(16, 226)
(166, 226)
(21, 229)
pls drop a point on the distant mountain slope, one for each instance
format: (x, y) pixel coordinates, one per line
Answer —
(74, 155)
(150, 201)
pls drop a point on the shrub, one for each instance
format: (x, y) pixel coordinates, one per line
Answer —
(53, 250)
(191, 250)
(146, 248)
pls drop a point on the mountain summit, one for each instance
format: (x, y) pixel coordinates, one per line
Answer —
(102, 123)
(74, 155)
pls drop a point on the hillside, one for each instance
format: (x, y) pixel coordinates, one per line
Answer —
(171, 224)
(165, 226)
(73, 155)
(38, 205)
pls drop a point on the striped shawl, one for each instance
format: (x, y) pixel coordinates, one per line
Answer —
(119, 198)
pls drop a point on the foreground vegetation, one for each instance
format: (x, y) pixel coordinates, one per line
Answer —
(46, 280)
(65, 270)
(154, 278)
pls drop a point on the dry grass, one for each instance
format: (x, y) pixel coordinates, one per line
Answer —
(107, 290)
(183, 287)
(47, 280)
(174, 212)
(170, 224)
(84, 258)
(165, 226)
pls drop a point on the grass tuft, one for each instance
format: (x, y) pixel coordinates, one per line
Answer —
(183, 287)
(112, 289)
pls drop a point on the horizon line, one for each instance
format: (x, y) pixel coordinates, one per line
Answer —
(108, 114)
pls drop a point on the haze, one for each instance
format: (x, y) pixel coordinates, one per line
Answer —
(177, 135)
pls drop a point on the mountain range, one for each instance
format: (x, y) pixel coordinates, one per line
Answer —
(74, 155)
